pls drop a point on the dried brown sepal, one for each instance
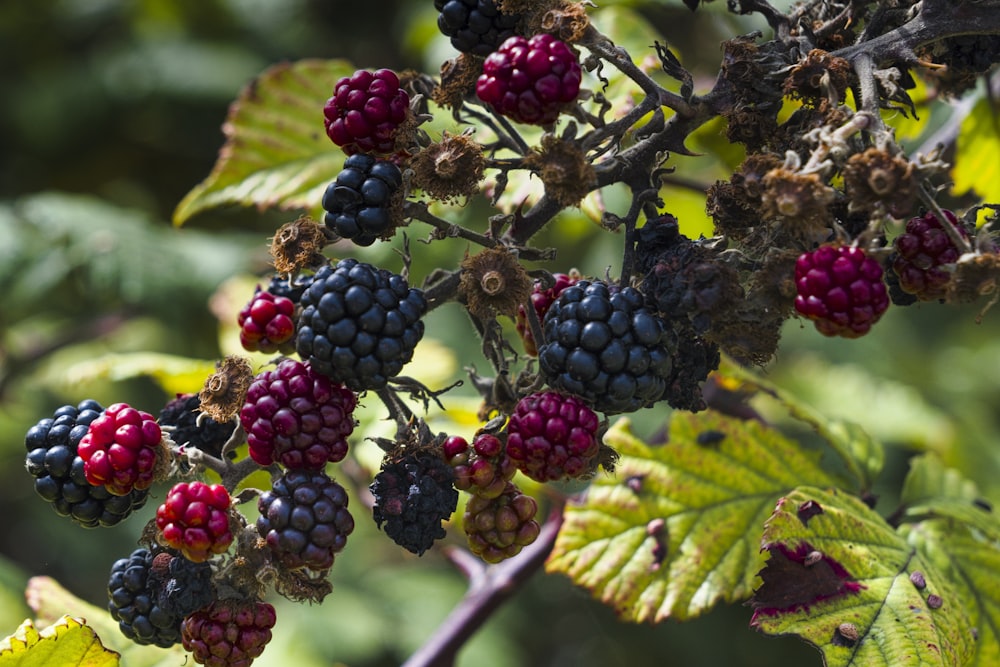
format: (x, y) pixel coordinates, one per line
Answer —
(817, 76)
(450, 168)
(458, 81)
(564, 169)
(494, 283)
(877, 177)
(225, 390)
(801, 199)
(734, 205)
(752, 118)
(976, 275)
(297, 245)
(568, 21)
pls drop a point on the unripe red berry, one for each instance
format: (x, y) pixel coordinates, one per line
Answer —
(120, 448)
(551, 436)
(365, 111)
(194, 519)
(228, 633)
(840, 289)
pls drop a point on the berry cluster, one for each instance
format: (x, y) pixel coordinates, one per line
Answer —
(119, 449)
(482, 469)
(358, 204)
(840, 289)
(475, 26)
(267, 323)
(365, 112)
(552, 436)
(194, 519)
(229, 633)
(359, 324)
(923, 253)
(297, 417)
(498, 528)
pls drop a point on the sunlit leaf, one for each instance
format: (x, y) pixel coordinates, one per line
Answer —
(976, 165)
(276, 153)
(67, 643)
(879, 610)
(929, 479)
(676, 530)
(174, 374)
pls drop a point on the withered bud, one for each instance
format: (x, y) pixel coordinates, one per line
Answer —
(298, 245)
(568, 21)
(816, 76)
(458, 80)
(564, 169)
(225, 390)
(494, 283)
(875, 176)
(450, 168)
(976, 275)
(791, 196)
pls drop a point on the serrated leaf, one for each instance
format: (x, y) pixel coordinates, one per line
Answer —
(976, 164)
(676, 530)
(67, 643)
(930, 479)
(880, 617)
(276, 152)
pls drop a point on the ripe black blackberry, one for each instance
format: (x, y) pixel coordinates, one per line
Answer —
(603, 345)
(413, 495)
(150, 593)
(475, 26)
(188, 427)
(359, 204)
(304, 519)
(359, 324)
(59, 472)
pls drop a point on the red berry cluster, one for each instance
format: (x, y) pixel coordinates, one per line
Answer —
(297, 417)
(923, 252)
(267, 324)
(365, 111)
(482, 470)
(228, 633)
(840, 289)
(552, 436)
(498, 528)
(119, 450)
(541, 299)
(530, 80)
(194, 519)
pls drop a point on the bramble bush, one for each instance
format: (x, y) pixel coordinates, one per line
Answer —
(547, 107)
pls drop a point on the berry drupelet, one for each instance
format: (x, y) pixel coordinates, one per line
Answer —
(365, 111)
(840, 289)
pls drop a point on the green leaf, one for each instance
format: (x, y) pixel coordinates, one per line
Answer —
(929, 479)
(839, 577)
(174, 374)
(67, 643)
(276, 153)
(976, 164)
(676, 530)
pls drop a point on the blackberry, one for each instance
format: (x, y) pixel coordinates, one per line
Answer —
(498, 528)
(365, 112)
(552, 436)
(297, 417)
(840, 289)
(267, 324)
(604, 345)
(359, 203)
(120, 449)
(304, 519)
(413, 495)
(229, 633)
(194, 519)
(530, 80)
(58, 470)
(483, 469)
(188, 427)
(150, 593)
(288, 289)
(541, 299)
(923, 252)
(359, 324)
(475, 26)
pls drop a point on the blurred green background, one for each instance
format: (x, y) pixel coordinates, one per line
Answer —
(112, 112)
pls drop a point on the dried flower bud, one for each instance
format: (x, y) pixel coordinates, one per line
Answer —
(564, 169)
(297, 245)
(568, 21)
(458, 81)
(450, 168)
(818, 76)
(803, 199)
(225, 391)
(494, 283)
(876, 177)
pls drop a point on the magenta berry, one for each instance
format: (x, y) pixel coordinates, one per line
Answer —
(840, 289)
(119, 449)
(530, 80)
(365, 111)
(922, 252)
(498, 528)
(267, 324)
(228, 633)
(551, 436)
(297, 417)
(482, 469)
(541, 300)
(194, 519)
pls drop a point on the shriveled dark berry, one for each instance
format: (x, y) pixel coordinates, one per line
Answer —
(188, 427)
(413, 495)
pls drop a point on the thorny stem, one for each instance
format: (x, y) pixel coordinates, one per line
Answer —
(489, 587)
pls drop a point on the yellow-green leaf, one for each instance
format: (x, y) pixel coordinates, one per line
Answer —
(677, 529)
(841, 578)
(67, 643)
(176, 375)
(276, 153)
(976, 165)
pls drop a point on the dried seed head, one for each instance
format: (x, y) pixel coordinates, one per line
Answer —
(568, 21)
(818, 76)
(564, 169)
(297, 245)
(458, 80)
(450, 168)
(875, 177)
(802, 199)
(225, 390)
(976, 275)
(494, 283)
